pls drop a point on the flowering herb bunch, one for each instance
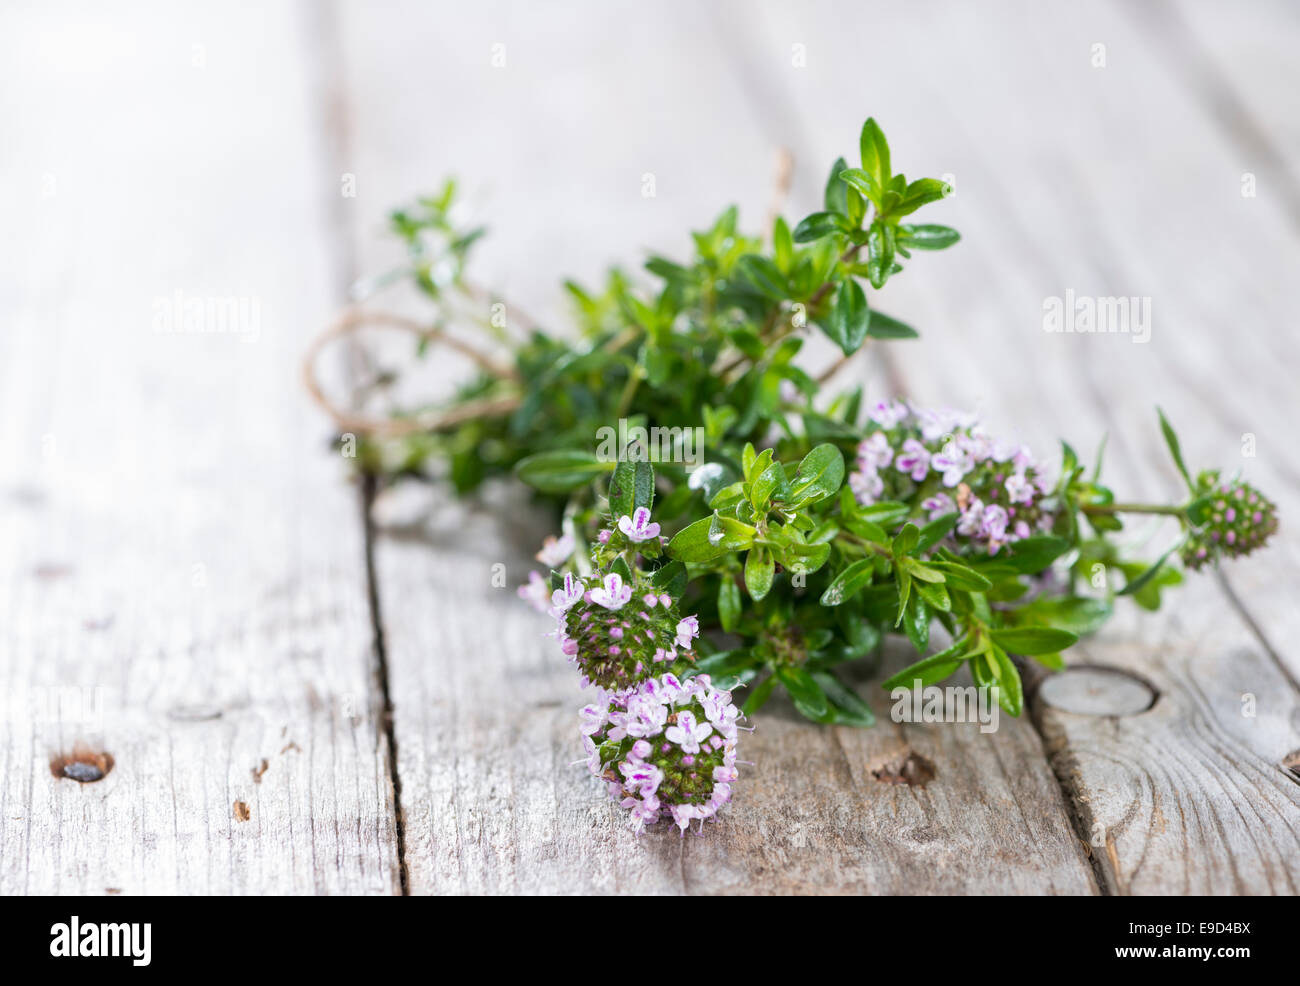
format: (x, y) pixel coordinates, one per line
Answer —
(657, 732)
(810, 525)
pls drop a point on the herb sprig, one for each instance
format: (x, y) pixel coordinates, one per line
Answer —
(809, 526)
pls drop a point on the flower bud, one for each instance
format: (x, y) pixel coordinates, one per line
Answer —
(1237, 520)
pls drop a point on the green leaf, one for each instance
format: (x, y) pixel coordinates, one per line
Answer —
(883, 326)
(961, 577)
(759, 696)
(1171, 439)
(916, 622)
(1033, 554)
(561, 470)
(1136, 585)
(670, 578)
(724, 662)
(907, 540)
(770, 485)
(728, 603)
(875, 153)
(927, 237)
(1033, 640)
(849, 582)
(631, 486)
(1078, 614)
(818, 225)
(933, 532)
(820, 474)
(1011, 693)
(849, 317)
(804, 690)
(930, 669)
(862, 182)
(710, 538)
(848, 707)
(764, 275)
(836, 197)
(920, 192)
(759, 570)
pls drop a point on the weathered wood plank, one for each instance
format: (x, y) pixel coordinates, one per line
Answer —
(177, 547)
(592, 99)
(1076, 189)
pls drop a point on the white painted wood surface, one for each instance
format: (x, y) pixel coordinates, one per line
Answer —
(177, 545)
(175, 531)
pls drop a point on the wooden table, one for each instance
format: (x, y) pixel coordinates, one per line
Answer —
(295, 702)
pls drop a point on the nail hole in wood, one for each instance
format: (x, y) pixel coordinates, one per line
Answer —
(913, 770)
(1096, 690)
(1291, 764)
(83, 766)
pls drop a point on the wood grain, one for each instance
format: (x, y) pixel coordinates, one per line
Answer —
(181, 561)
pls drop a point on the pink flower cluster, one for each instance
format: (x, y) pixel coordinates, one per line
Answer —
(945, 462)
(664, 746)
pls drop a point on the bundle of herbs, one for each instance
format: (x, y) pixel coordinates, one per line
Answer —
(697, 469)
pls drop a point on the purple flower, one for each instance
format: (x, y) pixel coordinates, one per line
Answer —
(954, 462)
(638, 527)
(688, 733)
(866, 486)
(914, 460)
(612, 594)
(940, 421)
(687, 630)
(993, 524)
(888, 414)
(968, 523)
(1019, 489)
(555, 552)
(572, 591)
(875, 453)
(536, 593)
(938, 505)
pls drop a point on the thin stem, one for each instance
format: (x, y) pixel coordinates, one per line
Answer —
(1133, 508)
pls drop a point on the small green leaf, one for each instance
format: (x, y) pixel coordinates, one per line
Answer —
(820, 474)
(836, 197)
(631, 486)
(849, 317)
(1033, 640)
(848, 707)
(883, 326)
(710, 538)
(920, 192)
(1033, 554)
(728, 603)
(849, 582)
(875, 153)
(933, 532)
(1135, 585)
(724, 662)
(671, 578)
(1171, 439)
(907, 540)
(1011, 693)
(759, 570)
(759, 696)
(804, 690)
(818, 225)
(934, 668)
(927, 237)
(764, 275)
(561, 470)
